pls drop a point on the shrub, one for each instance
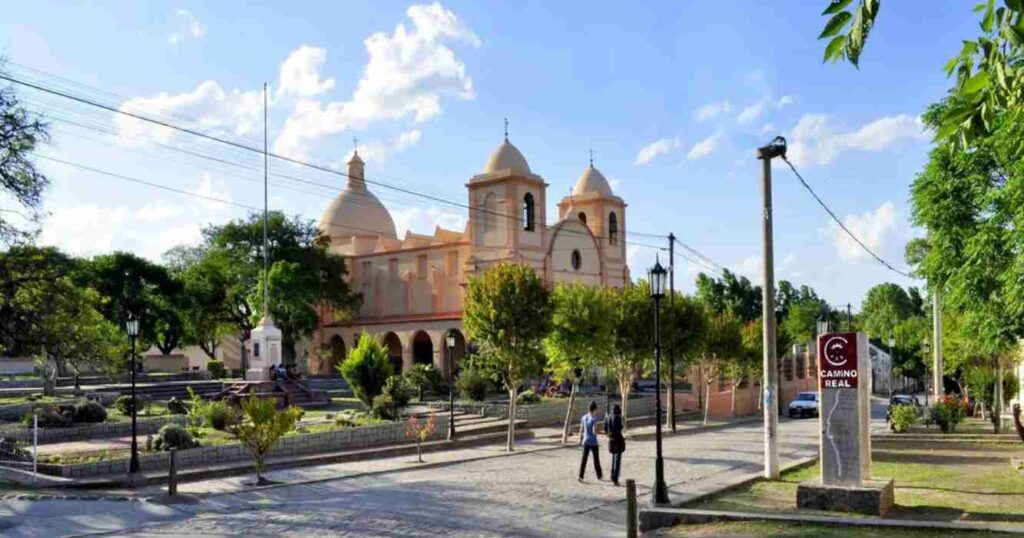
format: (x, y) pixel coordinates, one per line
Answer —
(903, 417)
(527, 397)
(366, 369)
(424, 378)
(221, 416)
(176, 406)
(399, 390)
(384, 408)
(472, 384)
(173, 436)
(89, 411)
(216, 369)
(51, 416)
(948, 412)
(123, 404)
(263, 426)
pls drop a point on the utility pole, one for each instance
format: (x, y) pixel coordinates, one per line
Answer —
(938, 386)
(777, 148)
(671, 352)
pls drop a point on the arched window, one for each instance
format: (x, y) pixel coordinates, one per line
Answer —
(577, 260)
(528, 212)
(583, 217)
(613, 229)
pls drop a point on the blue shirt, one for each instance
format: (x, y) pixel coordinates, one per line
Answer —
(587, 424)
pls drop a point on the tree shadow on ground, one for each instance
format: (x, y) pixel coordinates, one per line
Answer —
(934, 459)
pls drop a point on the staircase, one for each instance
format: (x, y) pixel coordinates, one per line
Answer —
(166, 390)
(469, 424)
(285, 392)
(334, 386)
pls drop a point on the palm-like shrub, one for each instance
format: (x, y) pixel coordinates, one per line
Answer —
(366, 369)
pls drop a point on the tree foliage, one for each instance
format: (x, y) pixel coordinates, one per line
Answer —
(20, 134)
(263, 425)
(988, 71)
(366, 369)
(507, 311)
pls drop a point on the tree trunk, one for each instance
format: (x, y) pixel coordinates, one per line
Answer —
(419, 451)
(625, 387)
(700, 379)
(997, 407)
(510, 446)
(707, 400)
(568, 411)
(732, 405)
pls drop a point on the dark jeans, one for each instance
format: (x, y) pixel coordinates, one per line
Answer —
(616, 466)
(597, 462)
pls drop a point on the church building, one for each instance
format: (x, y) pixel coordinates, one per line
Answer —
(412, 287)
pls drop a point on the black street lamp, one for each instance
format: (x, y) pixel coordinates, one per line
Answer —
(657, 276)
(450, 337)
(135, 477)
(822, 324)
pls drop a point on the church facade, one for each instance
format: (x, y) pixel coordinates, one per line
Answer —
(412, 287)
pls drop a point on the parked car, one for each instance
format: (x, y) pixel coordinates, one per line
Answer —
(901, 399)
(805, 404)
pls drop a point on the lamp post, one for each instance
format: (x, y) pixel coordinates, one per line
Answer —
(892, 361)
(135, 477)
(822, 325)
(657, 276)
(451, 384)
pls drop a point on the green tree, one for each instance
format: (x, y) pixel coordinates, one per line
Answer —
(732, 294)
(263, 425)
(722, 344)
(27, 269)
(217, 300)
(885, 306)
(632, 348)
(366, 369)
(304, 275)
(20, 180)
(683, 325)
(581, 336)
(988, 71)
(139, 287)
(507, 310)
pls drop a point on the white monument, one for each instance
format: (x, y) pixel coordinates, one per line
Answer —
(266, 350)
(844, 385)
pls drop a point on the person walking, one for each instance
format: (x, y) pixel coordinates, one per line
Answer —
(588, 438)
(616, 442)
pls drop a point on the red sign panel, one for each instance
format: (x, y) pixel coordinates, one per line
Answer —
(837, 361)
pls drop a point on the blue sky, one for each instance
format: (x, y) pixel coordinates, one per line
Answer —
(672, 97)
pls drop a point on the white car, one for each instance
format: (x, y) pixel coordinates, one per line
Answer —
(805, 404)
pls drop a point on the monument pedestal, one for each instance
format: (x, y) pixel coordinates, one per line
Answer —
(872, 497)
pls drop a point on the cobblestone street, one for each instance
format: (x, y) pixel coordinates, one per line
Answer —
(533, 493)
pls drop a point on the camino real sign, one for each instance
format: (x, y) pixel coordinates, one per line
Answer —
(844, 382)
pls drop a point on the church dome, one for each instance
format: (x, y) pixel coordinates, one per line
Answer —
(356, 211)
(592, 180)
(507, 157)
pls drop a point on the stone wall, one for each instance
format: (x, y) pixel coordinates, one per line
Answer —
(296, 445)
(85, 432)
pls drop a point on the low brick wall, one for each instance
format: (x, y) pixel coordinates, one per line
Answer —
(553, 412)
(85, 432)
(296, 445)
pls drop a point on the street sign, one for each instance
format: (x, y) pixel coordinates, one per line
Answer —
(837, 361)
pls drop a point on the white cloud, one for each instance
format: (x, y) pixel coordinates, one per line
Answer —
(703, 148)
(300, 73)
(189, 27)
(813, 141)
(424, 220)
(768, 127)
(751, 113)
(406, 139)
(211, 107)
(870, 227)
(659, 147)
(750, 267)
(784, 100)
(408, 73)
(712, 110)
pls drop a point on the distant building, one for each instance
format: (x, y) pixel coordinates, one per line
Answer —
(413, 287)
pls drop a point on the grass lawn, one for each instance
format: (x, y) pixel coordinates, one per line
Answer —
(15, 400)
(942, 482)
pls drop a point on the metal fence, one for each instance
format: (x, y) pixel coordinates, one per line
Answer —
(19, 456)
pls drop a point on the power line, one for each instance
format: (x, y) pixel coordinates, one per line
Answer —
(843, 226)
(237, 145)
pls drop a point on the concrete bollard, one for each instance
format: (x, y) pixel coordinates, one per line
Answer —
(631, 515)
(172, 474)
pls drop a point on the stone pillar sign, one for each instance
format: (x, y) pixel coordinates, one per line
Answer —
(844, 411)
(844, 382)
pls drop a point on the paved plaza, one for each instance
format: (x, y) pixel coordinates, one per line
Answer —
(472, 492)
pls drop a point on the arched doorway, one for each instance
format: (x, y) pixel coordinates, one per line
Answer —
(422, 349)
(459, 352)
(330, 367)
(392, 343)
